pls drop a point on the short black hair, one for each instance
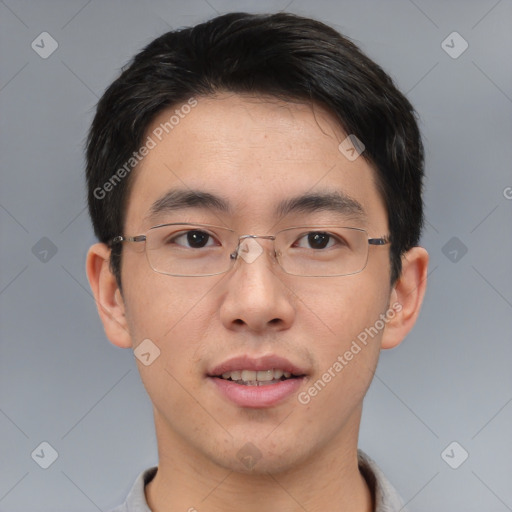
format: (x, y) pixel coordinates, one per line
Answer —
(281, 55)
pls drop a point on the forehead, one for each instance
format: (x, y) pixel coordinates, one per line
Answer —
(253, 152)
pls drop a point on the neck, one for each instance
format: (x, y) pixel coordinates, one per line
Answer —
(188, 481)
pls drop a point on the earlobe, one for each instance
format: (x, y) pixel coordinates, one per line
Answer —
(109, 300)
(406, 297)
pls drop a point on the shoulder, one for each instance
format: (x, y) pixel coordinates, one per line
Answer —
(385, 496)
(136, 499)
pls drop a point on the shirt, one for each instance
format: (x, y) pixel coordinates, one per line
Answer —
(385, 496)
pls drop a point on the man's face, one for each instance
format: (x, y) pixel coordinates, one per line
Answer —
(254, 155)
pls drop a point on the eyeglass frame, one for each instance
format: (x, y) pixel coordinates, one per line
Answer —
(381, 241)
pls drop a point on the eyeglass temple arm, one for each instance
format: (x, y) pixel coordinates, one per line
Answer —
(378, 241)
(119, 239)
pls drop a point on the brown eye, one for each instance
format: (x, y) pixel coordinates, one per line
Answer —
(193, 239)
(315, 240)
(318, 240)
(197, 239)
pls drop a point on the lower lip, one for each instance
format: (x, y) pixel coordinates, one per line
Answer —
(257, 396)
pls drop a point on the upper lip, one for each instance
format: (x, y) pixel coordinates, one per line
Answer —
(265, 362)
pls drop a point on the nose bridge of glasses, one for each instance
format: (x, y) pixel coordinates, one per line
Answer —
(249, 249)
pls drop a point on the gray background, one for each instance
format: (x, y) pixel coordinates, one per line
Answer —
(62, 382)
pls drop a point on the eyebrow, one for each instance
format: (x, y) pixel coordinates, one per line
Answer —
(181, 199)
(336, 202)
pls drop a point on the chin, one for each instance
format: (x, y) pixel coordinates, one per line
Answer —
(253, 458)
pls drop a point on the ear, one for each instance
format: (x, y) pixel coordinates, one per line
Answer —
(107, 294)
(406, 297)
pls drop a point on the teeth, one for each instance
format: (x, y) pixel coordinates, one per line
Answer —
(264, 375)
(278, 374)
(251, 376)
(248, 375)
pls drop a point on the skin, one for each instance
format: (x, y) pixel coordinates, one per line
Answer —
(255, 152)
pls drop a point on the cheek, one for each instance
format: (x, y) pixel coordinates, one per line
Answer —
(347, 332)
(165, 308)
(343, 307)
(346, 348)
(175, 315)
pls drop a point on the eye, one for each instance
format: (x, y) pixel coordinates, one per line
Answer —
(316, 240)
(194, 239)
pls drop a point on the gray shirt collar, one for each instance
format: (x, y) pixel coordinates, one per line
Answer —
(385, 497)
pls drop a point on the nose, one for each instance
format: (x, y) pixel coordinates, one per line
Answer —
(256, 299)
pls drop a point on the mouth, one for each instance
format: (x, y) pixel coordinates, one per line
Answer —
(258, 378)
(257, 382)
